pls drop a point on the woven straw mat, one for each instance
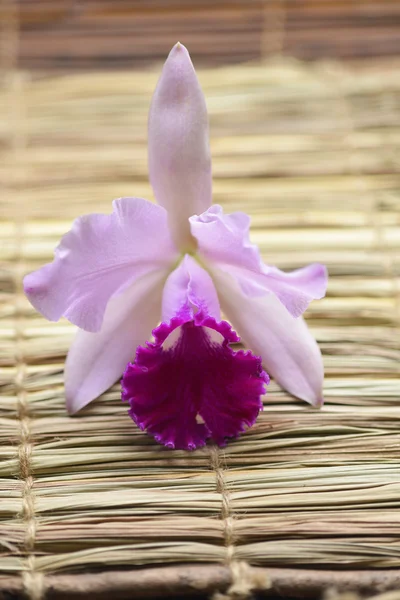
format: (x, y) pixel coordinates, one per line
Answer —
(311, 153)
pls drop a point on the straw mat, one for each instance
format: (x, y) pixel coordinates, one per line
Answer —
(304, 500)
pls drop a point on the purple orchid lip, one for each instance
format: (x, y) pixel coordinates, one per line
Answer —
(189, 384)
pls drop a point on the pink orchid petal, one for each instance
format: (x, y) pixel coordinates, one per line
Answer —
(288, 350)
(191, 371)
(179, 154)
(96, 360)
(295, 289)
(98, 258)
(224, 240)
(298, 288)
(188, 286)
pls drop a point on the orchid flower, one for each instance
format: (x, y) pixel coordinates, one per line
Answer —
(179, 262)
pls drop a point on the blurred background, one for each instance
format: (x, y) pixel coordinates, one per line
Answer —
(279, 76)
(89, 34)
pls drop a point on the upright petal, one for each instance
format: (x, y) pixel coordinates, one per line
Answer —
(98, 258)
(189, 288)
(96, 360)
(223, 240)
(288, 350)
(179, 154)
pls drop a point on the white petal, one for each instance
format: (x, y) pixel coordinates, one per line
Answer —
(289, 351)
(99, 257)
(96, 360)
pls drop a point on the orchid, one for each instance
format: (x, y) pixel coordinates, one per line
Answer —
(174, 265)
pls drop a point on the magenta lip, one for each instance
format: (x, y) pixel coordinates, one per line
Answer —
(176, 380)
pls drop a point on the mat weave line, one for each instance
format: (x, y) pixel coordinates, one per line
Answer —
(244, 580)
(227, 517)
(32, 580)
